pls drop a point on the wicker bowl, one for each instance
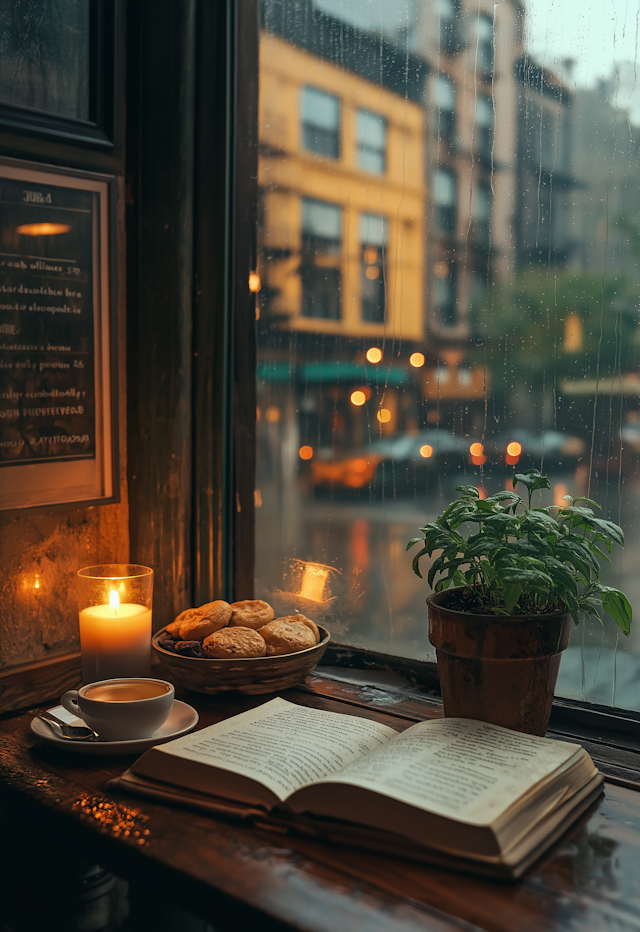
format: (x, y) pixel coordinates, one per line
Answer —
(249, 675)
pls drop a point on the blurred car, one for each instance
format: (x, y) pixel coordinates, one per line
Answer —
(528, 448)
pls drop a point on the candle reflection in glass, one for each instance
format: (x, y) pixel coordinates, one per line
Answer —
(115, 602)
(308, 588)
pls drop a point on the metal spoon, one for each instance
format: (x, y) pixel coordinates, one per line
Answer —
(63, 730)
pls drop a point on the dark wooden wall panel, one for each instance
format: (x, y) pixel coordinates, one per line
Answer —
(160, 179)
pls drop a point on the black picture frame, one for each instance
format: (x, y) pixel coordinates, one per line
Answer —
(102, 479)
(99, 129)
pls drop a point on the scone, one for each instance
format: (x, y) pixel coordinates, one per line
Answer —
(198, 623)
(235, 642)
(303, 620)
(251, 613)
(287, 637)
(173, 630)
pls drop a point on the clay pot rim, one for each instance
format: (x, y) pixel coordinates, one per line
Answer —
(435, 597)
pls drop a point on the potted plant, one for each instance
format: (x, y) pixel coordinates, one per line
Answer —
(519, 576)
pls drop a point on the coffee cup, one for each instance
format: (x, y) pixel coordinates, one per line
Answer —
(122, 709)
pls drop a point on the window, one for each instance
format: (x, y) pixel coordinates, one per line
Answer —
(373, 239)
(444, 98)
(320, 115)
(371, 133)
(445, 294)
(426, 287)
(484, 43)
(320, 266)
(484, 127)
(481, 213)
(448, 33)
(444, 196)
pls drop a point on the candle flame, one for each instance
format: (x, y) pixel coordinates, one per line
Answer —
(114, 600)
(36, 584)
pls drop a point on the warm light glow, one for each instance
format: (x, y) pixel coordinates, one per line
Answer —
(254, 281)
(374, 354)
(314, 580)
(514, 448)
(257, 498)
(358, 398)
(36, 584)
(43, 229)
(372, 272)
(573, 333)
(559, 492)
(114, 600)
(478, 459)
(359, 465)
(416, 360)
(426, 450)
(370, 255)
(384, 415)
(482, 493)
(272, 415)
(258, 414)
(476, 449)
(305, 453)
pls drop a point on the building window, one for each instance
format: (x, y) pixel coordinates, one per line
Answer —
(444, 196)
(481, 213)
(371, 135)
(444, 98)
(484, 43)
(320, 114)
(373, 239)
(448, 32)
(320, 266)
(484, 127)
(445, 294)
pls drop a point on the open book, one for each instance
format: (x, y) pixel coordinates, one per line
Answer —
(455, 791)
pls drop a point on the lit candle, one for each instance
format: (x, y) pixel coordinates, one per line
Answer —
(115, 631)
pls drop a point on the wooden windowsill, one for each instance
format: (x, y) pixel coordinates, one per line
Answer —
(232, 874)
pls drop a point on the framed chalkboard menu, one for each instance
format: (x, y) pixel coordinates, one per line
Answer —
(56, 337)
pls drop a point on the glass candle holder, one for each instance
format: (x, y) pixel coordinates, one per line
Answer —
(115, 602)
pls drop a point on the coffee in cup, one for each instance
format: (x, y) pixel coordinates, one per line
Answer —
(122, 709)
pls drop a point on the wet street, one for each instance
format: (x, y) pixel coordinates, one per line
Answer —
(371, 597)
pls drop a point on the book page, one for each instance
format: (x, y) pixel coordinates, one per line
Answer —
(458, 768)
(281, 745)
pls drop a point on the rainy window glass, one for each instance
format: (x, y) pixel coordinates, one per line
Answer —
(449, 257)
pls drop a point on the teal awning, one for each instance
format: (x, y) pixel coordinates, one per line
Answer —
(352, 372)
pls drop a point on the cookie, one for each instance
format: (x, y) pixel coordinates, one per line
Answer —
(287, 637)
(199, 623)
(303, 620)
(173, 630)
(235, 642)
(251, 613)
(188, 648)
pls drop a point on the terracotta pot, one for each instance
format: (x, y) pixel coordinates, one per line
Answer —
(499, 669)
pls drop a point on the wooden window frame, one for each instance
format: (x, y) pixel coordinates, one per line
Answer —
(105, 23)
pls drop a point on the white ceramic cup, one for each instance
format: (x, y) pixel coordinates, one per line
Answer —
(121, 709)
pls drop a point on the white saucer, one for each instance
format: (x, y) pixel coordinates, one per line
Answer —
(182, 719)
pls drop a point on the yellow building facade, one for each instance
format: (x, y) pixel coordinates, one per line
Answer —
(390, 199)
